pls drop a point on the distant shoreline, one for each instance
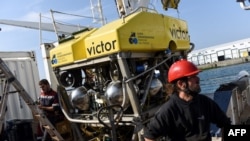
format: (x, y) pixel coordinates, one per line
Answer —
(224, 63)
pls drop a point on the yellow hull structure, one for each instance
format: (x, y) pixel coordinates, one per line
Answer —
(70, 50)
(139, 32)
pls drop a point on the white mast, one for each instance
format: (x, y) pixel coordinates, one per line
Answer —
(126, 7)
(97, 13)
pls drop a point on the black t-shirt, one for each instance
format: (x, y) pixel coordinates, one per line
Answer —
(179, 120)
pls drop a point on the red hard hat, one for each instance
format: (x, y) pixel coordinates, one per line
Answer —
(180, 69)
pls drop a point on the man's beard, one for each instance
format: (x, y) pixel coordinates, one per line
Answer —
(194, 91)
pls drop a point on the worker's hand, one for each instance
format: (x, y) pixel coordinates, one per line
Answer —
(41, 107)
(46, 108)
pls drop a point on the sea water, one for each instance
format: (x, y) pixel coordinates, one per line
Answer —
(211, 79)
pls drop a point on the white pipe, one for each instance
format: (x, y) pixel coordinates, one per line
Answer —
(243, 5)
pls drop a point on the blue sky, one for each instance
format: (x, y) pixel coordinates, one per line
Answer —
(210, 22)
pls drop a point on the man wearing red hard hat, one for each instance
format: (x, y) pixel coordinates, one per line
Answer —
(187, 115)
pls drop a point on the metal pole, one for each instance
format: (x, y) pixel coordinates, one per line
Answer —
(54, 24)
(40, 27)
